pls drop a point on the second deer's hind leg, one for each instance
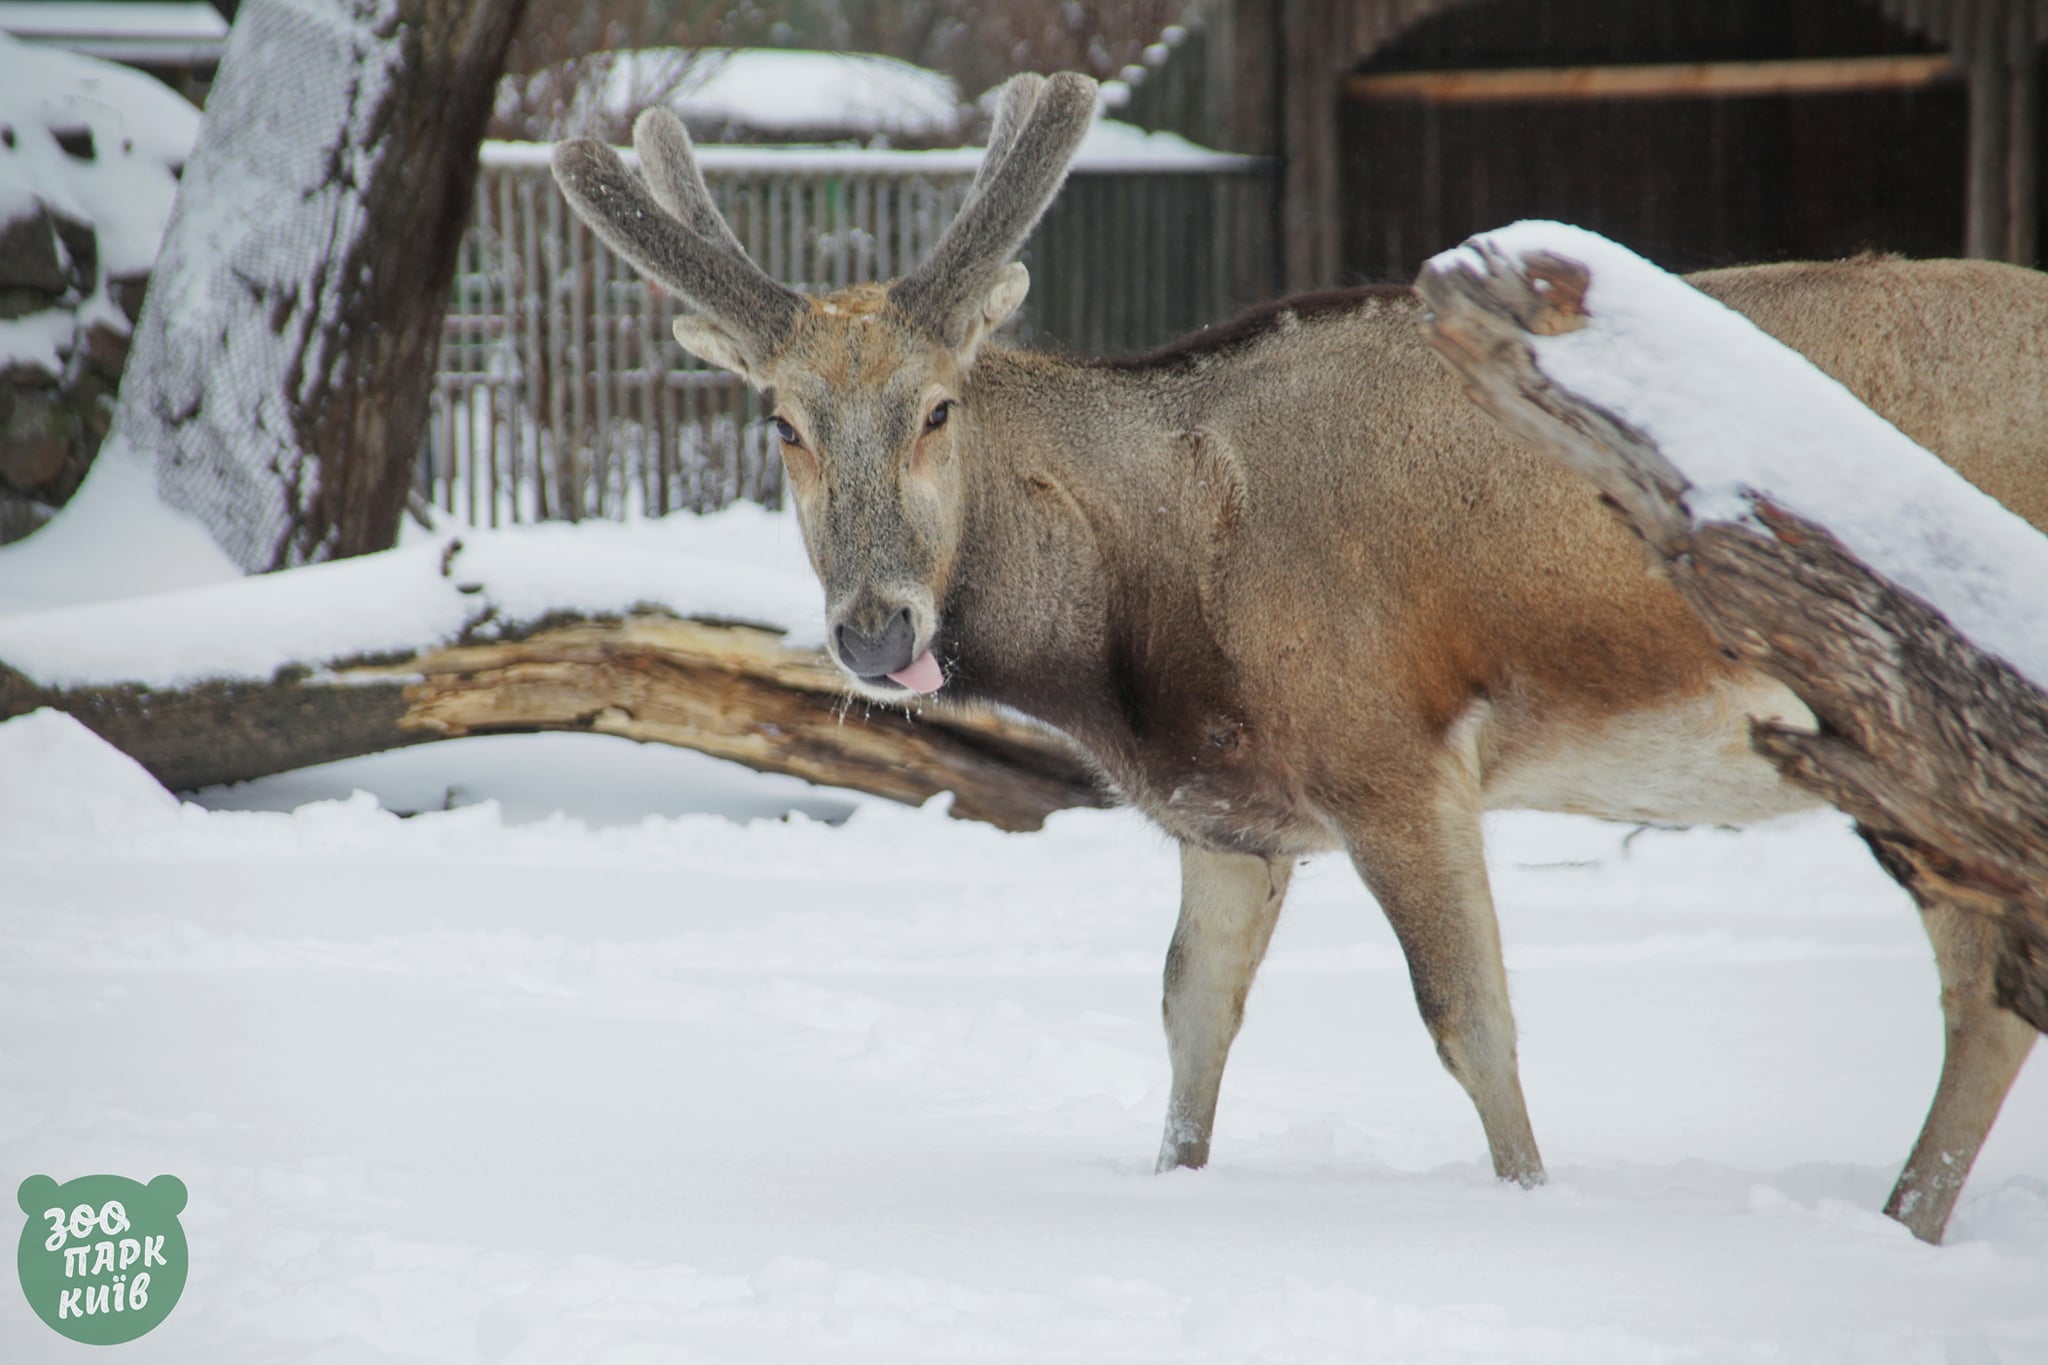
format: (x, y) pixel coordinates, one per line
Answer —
(1426, 865)
(1229, 903)
(1987, 1045)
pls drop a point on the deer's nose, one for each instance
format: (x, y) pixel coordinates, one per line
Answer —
(886, 651)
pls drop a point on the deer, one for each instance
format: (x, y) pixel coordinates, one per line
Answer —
(1292, 593)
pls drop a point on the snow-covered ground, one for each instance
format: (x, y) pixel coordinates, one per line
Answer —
(561, 1069)
(558, 1049)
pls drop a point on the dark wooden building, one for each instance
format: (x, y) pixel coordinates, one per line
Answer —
(1699, 134)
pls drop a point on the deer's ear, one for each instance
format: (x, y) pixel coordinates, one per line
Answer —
(1013, 282)
(712, 344)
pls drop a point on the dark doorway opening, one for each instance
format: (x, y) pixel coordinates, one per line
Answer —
(1677, 167)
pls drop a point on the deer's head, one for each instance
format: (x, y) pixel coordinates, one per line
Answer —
(867, 383)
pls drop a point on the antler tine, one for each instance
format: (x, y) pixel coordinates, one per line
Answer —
(944, 295)
(716, 279)
(669, 163)
(1013, 109)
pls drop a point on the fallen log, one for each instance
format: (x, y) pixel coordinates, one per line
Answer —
(1933, 742)
(736, 691)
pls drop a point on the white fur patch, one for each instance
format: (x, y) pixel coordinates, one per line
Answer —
(1687, 764)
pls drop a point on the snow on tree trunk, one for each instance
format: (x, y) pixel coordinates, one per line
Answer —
(283, 365)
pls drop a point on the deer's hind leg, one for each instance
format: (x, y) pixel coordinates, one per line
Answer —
(1987, 1045)
(1425, 862)
(1229, 903)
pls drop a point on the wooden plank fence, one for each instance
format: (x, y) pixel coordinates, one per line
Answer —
(561, 395)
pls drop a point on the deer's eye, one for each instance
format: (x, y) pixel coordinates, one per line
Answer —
(936, 418)
(786, 432)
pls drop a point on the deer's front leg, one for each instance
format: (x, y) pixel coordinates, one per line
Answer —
(1228, 905)
(1426, 866)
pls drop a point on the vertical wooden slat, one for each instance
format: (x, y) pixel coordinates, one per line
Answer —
(2023, 104)
(1120, 320)
(1148, 297)
(1103, 303)
(651, 370)
(1984, 213)
(831, 266)
(885, 199)
(425, 467)
(553, 298)
(440, 440)
(802, 262)
(689, 460)
(665, 446)
(467, 269)
(484, 312)
(575, 358)
(864, 220)
(505, 406)
(533, 364)
(1310, 202)
(603, 492)
(910, 194)
(1217, 305)
(444, 458)
(734, 455)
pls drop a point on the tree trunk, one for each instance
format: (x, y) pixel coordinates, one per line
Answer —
(283, 366)
(735, 692)
(1939, 750)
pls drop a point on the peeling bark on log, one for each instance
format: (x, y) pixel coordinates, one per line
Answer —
(736, 692)
(1939, 751)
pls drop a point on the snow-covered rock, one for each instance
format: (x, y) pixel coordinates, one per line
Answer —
(90, 154)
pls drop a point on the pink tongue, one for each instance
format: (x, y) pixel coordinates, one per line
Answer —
(922, 675)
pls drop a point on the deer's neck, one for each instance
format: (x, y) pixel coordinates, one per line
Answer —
(1083, 596)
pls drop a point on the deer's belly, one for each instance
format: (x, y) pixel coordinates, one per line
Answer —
(1687, 763)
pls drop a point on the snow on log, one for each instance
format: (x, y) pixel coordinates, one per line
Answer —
(511, 632)
(1816, 541)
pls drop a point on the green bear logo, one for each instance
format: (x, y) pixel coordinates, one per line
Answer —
(102, 1258)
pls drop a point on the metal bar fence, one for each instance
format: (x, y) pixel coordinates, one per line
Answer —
(560, 394)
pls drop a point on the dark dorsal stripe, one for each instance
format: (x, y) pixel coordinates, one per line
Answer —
(1254, 323)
